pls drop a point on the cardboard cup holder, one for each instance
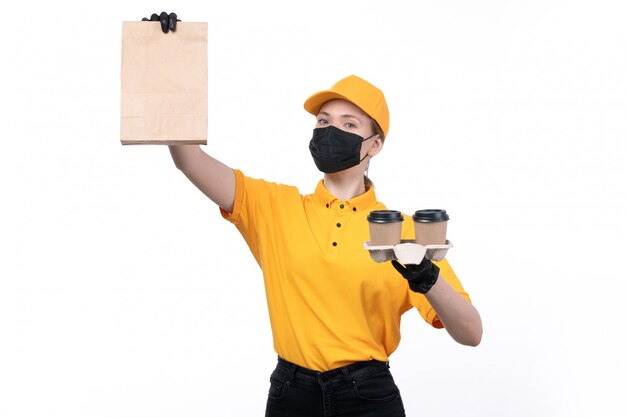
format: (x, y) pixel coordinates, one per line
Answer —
(407, 252)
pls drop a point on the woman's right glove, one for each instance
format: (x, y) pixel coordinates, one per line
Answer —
(168, 21)
(421, 277)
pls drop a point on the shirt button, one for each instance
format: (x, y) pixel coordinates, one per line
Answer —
(338, 224)
(327, 205)
(334, 243)
(341, 206)
(353, 208)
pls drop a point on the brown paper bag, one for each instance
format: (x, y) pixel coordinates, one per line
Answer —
(164, 84)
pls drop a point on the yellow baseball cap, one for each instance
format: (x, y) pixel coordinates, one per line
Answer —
(358, 92)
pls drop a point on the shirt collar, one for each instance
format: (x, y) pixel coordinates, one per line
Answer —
(364, 201)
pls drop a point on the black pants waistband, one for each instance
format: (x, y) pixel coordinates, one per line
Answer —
(352, 372)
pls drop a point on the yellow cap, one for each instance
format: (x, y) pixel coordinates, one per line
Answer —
(358, 92)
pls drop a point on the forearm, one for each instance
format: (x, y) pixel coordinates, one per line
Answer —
(215, 179)
(459, 317)
(184, 155)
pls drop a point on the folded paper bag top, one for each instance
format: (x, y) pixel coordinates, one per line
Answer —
(164, 84)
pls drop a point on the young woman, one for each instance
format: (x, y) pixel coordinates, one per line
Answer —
(335, 314)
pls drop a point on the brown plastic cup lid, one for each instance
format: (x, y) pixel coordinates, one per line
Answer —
(385, 216)
(431, 216)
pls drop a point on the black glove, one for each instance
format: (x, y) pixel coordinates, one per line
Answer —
(168, 21)
(421, 277)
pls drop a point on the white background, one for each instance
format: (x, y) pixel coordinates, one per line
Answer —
(124, 293)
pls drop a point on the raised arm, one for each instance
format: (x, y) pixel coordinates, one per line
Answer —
(212, 177)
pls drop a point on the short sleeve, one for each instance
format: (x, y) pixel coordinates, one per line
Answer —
(420, 302)
(254, 199)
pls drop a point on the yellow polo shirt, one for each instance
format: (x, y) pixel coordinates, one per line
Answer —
(330, 304)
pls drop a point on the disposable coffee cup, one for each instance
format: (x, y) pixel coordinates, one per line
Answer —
(385, 227)
(430, 226)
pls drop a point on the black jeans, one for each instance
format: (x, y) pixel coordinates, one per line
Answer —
(362, 389)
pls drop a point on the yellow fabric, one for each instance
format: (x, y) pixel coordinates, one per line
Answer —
(356, 90)
(329, 305)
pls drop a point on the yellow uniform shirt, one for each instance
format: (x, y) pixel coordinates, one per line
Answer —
(330, 304)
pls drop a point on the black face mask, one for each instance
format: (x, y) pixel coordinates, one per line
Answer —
(335, 150)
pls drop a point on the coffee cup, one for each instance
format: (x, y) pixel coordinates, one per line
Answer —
(430, 226)
(385, 227)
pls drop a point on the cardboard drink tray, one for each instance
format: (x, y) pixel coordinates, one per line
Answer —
(407, 252)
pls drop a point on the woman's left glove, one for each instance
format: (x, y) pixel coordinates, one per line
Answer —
(168, 21)
(421, 277)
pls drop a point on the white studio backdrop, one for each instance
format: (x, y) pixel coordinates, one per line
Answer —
(124, 293)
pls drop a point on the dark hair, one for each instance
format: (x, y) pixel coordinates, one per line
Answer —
(368, 182)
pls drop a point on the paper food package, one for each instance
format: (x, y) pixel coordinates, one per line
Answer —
(164, 84)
